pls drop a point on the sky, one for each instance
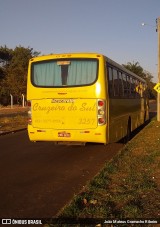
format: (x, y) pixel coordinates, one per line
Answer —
(110, 27)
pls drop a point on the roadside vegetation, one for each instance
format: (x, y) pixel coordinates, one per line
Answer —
(13, 73)
(12, 123)
(127, 187)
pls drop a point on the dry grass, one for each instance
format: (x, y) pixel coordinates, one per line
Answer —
(13, 118)
(13, 123)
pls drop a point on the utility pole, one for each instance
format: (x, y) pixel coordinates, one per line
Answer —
(158, 94)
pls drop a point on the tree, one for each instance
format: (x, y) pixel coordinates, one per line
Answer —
(139, 71)
(14, 71)
(5, 58)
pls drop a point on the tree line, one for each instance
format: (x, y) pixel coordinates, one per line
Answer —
(14, 67)
(13, 72)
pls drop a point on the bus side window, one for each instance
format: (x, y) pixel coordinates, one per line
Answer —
(110, 81)
(115, 82)
(133, 84)
(121, 90)
(125, 85)
(137, 89)
(128, 85)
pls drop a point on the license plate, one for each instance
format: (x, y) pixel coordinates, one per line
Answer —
(64, 134)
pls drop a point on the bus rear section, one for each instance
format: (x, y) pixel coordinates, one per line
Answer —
(66, 99)
(67, 120)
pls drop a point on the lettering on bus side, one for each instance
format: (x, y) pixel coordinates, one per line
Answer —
(62, 101)
(86, 121)
(58, 107)
(87, 108)
(47, 109)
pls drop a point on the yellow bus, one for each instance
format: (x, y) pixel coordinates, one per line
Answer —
(83, 97)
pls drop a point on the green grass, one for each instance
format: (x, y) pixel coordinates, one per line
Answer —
(128, 186)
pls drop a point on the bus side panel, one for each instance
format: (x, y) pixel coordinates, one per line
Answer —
(120, 110)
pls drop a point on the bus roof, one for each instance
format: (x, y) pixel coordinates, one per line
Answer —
(67, 55)
(121, 67)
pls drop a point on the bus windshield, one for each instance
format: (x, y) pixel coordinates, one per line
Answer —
(64, 72)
